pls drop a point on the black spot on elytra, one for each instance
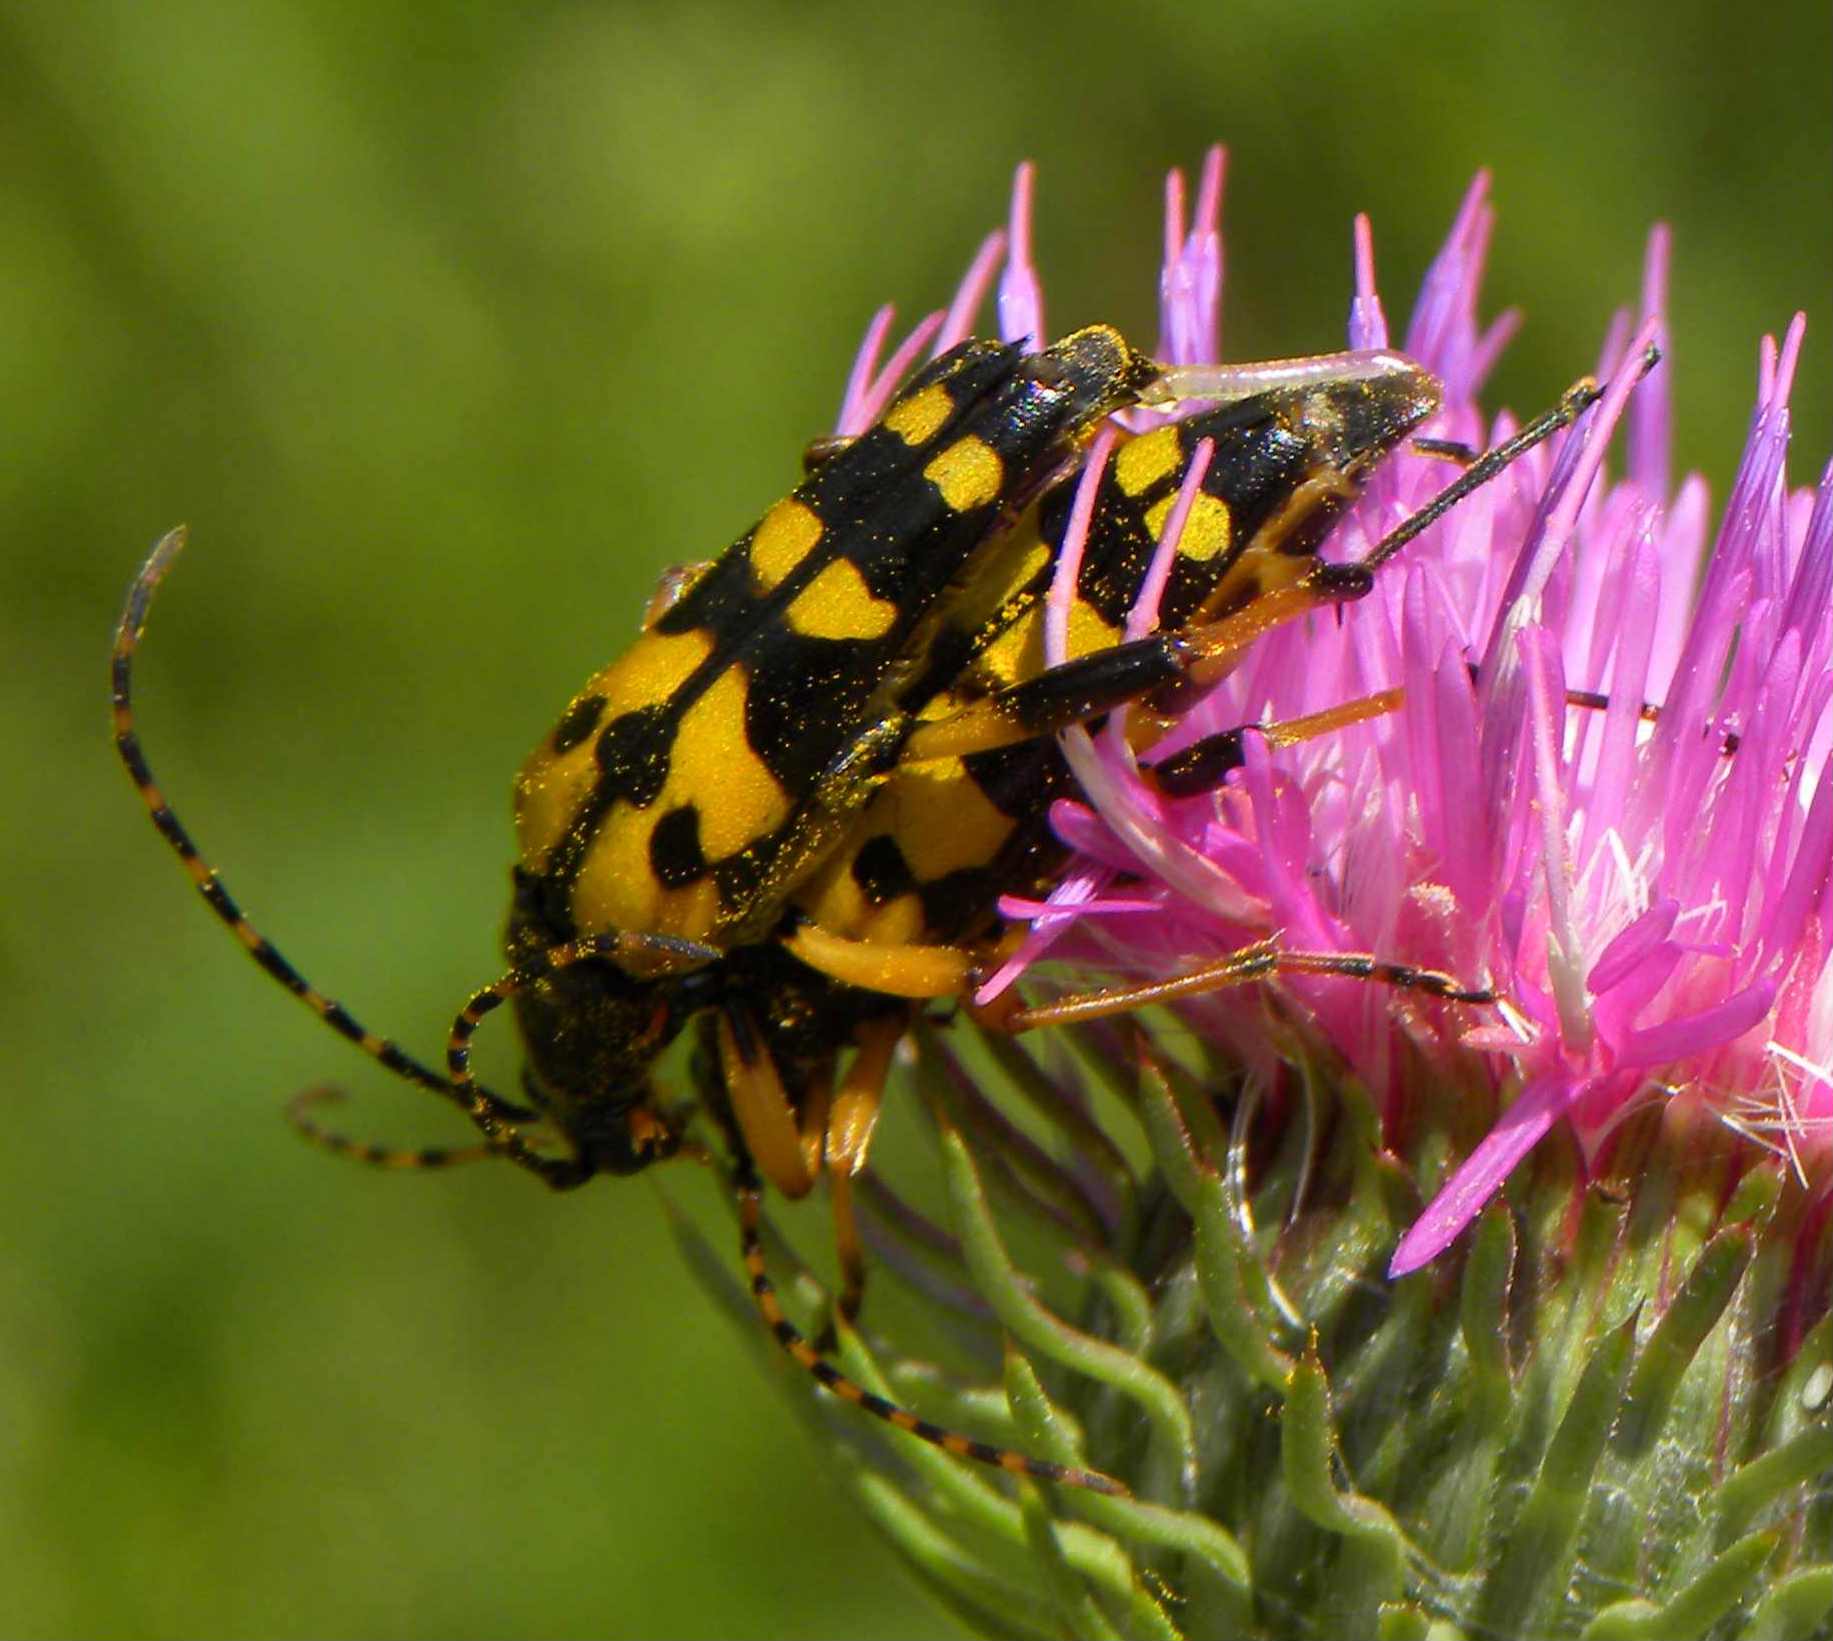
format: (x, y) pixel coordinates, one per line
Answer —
(959, 903)
(674, 848)
(881, 871)
(632, 753)
(577, 722)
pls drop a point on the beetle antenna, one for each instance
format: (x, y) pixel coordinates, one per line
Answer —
(385, 1051)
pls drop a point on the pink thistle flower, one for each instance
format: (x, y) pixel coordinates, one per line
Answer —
(1587, 772)
(1648, 892)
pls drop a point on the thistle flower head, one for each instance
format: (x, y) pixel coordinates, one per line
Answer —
(1646, 887)
(1589, 772)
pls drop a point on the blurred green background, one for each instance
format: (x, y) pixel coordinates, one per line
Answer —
(445, 326)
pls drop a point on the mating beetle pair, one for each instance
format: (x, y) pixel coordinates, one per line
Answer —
(788, 812)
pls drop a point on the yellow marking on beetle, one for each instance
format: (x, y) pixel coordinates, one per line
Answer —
(1011, 656)
(982, 727)
(713, 767)
(969, 473)
(998, 598)
(839, 604)
(1010, 568)
(834, 899)
(650, 671)
(783, 538)
(1018, 652)
(1207, 531)
(919, 418)
(1140, 463)
(617, 889)
(943, 820)
(691, 912)
(548, 793)
(1088, 632)
(551, 787)
(898, 922)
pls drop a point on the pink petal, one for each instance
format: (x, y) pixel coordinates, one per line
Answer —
(1695, 1033)
(1651, 418)
(958, 324)
(1632, 946)
(1367, 322)
(1021, 296)
(850, 422)
(1481, 1174)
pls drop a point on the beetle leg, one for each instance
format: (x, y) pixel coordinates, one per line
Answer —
(1260, 961)
(1203, 765)
(1164, 668)
(760, 1105)
(790, 1337)
(849, 1141)
(897, 969)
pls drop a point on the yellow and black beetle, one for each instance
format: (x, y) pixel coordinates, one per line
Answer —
(788, 810)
